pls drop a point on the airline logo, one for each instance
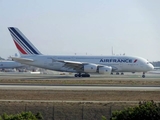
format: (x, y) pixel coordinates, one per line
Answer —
(21, 42)
(118, 60)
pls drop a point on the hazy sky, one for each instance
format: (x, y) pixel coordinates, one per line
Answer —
(66, 27)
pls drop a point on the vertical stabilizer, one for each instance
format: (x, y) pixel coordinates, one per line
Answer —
(24, 46)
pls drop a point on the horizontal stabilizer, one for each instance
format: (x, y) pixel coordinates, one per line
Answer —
(22, 59)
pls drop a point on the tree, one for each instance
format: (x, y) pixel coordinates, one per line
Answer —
(144, 111)
(22, 116)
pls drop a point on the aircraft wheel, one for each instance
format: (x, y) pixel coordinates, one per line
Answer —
(79, 75)
(85, 75)
(76, 75)
(143, 76)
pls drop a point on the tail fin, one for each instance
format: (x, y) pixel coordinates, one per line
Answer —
(24, 46)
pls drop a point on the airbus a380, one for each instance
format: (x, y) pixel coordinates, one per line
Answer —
(81, 65)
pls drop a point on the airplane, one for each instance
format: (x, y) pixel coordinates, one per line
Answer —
(8, 64)
(82, 66)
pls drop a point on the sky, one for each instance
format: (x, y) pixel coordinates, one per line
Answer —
(83, 27)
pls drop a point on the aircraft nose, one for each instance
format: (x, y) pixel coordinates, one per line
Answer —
(150, 66)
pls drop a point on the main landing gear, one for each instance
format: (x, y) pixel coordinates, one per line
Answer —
(143, 76)
(82, 75)
(117, 73)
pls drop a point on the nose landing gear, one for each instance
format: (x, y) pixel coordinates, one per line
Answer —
(143, 76)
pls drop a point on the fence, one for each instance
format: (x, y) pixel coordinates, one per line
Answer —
(63, 110)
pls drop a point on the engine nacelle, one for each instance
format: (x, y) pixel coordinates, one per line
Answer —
(105, 70)
(90, 68)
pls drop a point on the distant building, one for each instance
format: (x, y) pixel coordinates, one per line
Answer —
(156, 64)
(2, 58)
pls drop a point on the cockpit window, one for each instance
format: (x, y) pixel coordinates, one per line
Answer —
(147, 62)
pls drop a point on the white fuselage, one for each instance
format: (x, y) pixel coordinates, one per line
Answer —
(118, 63)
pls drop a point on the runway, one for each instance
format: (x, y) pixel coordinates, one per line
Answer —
(20, 83)
(128, 87)
(36, 90)
(79, 87)
(28, 76)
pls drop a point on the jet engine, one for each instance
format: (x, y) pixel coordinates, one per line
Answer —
(104, 70)
(90, 68)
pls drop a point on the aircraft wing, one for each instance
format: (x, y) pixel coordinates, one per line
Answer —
(78, 66)
(70, 62)
(22, 59)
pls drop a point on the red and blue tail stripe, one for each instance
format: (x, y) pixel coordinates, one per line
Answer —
(20, 46)
(24, 46)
